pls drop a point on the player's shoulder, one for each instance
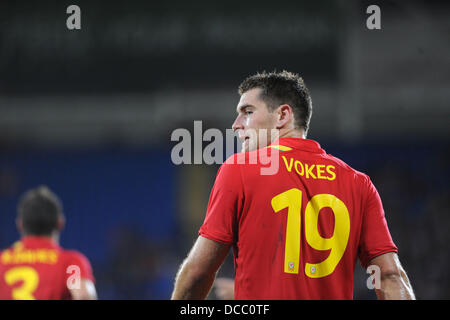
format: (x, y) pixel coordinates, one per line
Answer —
(74, 255)
(76, 259)
(257, 157)
(17, 245)
(241, 158)
(233, 159)
(356, 174)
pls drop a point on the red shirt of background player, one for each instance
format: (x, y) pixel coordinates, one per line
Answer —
(296, 234)
(38, 268)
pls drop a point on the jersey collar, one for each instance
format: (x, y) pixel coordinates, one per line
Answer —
(38, 241)
(299, 144)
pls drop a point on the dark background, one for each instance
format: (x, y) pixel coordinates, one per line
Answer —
(90, 112)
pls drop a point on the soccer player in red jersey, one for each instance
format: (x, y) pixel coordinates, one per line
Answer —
(296, 234)
(36, 267)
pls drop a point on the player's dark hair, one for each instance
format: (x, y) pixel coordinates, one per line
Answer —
(40, 211)
(283, 88)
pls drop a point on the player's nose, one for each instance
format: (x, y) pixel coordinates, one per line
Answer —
(237, 124)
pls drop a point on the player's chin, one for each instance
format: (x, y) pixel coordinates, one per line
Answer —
(245, 146)
(251, 145)
(250, 149)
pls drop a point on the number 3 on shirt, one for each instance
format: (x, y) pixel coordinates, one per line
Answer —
(292, 199)
(30, 281)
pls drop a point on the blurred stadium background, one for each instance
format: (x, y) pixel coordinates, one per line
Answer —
(90, 112)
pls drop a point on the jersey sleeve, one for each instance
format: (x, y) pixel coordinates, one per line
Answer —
(77, 259)
(375, 236)
(225, 204)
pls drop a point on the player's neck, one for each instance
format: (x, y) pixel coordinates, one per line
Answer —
(291, 133)
(54, 237)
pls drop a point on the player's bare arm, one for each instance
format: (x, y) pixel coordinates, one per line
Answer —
(395, 284)
(198, 271)
(85, 292)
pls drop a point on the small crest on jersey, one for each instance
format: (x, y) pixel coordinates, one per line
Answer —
(291, 265)
(313, 269)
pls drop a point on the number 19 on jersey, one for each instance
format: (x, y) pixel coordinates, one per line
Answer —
(337, 243)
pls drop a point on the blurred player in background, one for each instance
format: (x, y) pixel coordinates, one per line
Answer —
(283, 247)
(36, 267)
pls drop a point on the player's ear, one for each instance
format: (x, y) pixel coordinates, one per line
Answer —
(19, 225)
(61, 223)
(284, 115)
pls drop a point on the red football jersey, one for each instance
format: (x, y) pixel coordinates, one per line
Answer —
(38, 268)
(296, 234)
